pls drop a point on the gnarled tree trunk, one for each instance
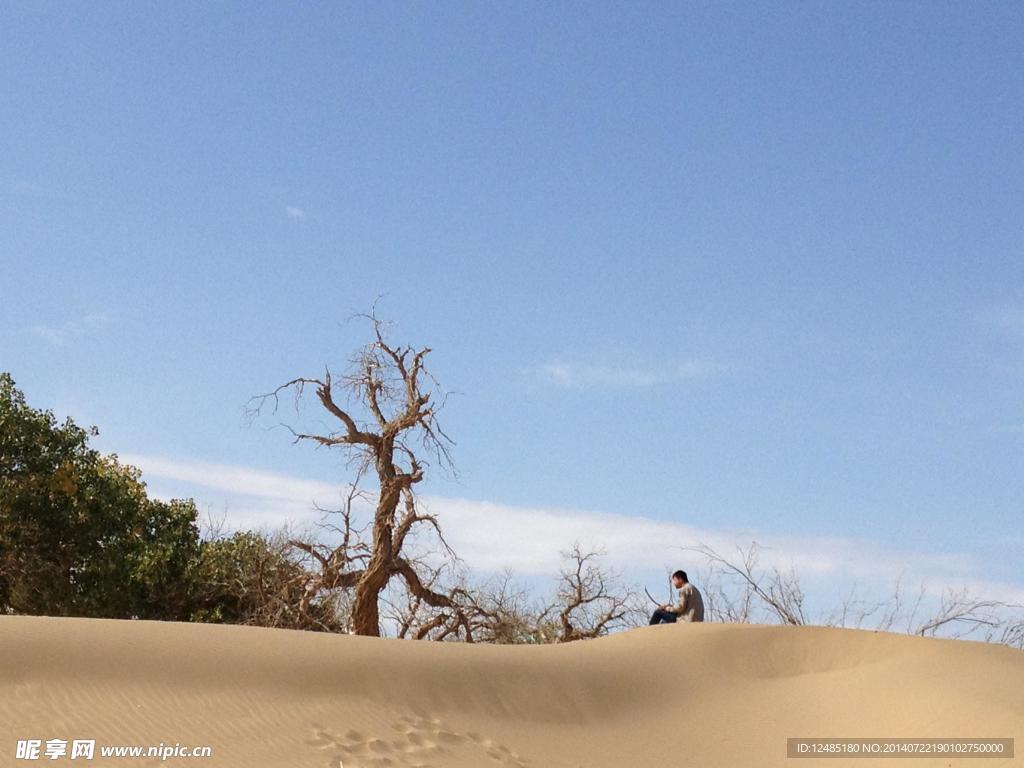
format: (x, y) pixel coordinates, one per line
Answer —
(388, 385)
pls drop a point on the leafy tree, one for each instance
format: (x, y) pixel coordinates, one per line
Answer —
(248, 578)
(78, 534)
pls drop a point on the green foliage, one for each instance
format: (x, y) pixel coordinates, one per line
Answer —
(80, 537)
(250, 579)
(226, 578)
(78, 534)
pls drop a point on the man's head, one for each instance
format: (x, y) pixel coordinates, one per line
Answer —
(679, 578)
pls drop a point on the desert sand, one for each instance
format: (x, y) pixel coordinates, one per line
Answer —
(675, 695)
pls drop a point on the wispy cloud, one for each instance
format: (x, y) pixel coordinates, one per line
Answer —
(574, 375)
(238, 480)
(58, 335)
(293, 212)
(491, 537)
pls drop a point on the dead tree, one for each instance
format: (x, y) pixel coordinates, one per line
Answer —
(780, 593)
(739, 590)
(385, 410)
(1013, 633)
(415, 618)
(503, 612)
(722, 600)
(590, 601)
(963, 615)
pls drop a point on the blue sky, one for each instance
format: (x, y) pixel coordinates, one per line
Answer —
(729, 267)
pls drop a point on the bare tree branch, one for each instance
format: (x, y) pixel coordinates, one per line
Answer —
(393, 412)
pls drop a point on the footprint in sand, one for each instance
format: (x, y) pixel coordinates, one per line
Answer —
(416, 742)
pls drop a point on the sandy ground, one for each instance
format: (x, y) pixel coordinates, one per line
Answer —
(675, 695)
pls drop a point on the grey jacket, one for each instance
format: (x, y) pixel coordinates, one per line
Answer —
(690, 606)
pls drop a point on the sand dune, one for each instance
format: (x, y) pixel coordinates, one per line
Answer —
(696, 695)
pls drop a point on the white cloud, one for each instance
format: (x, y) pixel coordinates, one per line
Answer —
(60, 334)
(238, 480)
(492, 537)
(569, 375)
(292, 212)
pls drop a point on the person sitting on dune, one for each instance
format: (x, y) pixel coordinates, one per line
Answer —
(689, 608)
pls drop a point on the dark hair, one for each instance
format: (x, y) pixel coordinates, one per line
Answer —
(681, 575)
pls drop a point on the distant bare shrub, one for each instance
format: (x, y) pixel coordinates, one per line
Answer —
(739, 589)
(589, 600)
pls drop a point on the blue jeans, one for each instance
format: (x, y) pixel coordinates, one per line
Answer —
(661, 616)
